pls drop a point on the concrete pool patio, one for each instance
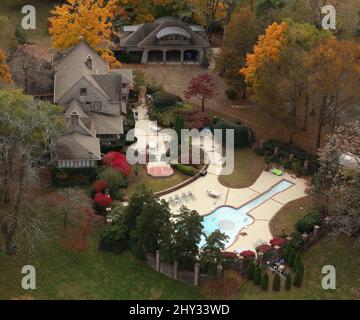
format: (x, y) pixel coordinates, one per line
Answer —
(259, 230)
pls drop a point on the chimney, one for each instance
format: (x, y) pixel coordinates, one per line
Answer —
(89, 62)
(74, 118)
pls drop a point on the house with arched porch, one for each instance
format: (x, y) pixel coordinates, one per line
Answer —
(167, 40)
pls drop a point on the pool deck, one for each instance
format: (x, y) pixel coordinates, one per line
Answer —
(259, 230)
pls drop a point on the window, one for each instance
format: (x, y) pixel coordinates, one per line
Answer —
(123, 85)
(123, 97)
(97, 105)
(83, 92)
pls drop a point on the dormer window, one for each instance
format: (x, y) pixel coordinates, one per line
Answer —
(83, 92)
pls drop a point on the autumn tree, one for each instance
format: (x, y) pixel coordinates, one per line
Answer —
(277, 72)
(27, 131)
(4, 68)
(89, 20)
(240, 36)
(333, 73)
(337, 181)
(140, 11)
(202, 86)
(118, 161)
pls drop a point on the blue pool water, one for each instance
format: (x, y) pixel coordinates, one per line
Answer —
(231, 220)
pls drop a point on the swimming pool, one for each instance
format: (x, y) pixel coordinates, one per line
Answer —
(231, 220)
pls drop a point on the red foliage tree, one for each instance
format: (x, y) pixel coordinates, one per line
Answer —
(196, 120)
(117, 161)
(203, 86)
(103, 200)
(100, 185)
(76, 237)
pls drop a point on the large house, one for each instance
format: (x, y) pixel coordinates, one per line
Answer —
(166, 40)
(94, 100)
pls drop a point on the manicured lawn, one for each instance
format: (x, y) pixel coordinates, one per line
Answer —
(284, 221)
(12, 10)
(88, 275)
(248, 167)
(135, 181)
(340, 253)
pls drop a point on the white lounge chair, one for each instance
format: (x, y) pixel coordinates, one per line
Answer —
(213, 194)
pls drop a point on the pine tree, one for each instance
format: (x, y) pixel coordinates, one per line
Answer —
(251, 271)
(265, 281)
(299, 275)
(288, 282)
(276, 282)
(257, 276)
(297, 261)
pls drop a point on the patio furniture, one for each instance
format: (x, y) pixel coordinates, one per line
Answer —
(213, 194)
(171, 201)
(191, 195)
(277, 172)
(184, 197)
(177, 199)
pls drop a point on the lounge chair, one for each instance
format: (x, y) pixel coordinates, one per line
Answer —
(191, 195)
(277, 172)
(171, 201)
(177, 199)
(184, 197)
(213, 194)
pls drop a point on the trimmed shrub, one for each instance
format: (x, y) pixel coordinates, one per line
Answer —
(115, 181)
(257, 275)
(251, 271)
(291, 259)
(68, 177)
(164, 101)
(188, 170)
(248, 254)
(100, 185)
(276, 283)
(243, 136)
(231, 93)
(288, 282)
(307, 223)
(103, 200)
(277, 242)
(114, 238)
(299, 276)
(297, 241)
(265, 282)
(118, 161)
(297, 261)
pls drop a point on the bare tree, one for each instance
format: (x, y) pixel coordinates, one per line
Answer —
(338, 179)
(27, 134)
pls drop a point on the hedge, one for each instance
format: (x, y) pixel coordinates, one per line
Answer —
(164, 101)
(283, 156)
(243, 136)
(188, 170)
(276, 283)
(251, 271)
(114, 238)
(68, 177)
(257, 275)
(265, 282)
(307, 223)
(288, 282)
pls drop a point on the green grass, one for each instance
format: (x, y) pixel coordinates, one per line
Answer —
(12, 10)
(283, 223)
(248, 167)
(340, 253)
(88, 275)
(153, 184)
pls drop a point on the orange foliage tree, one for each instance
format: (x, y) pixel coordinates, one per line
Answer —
(4, 68)
(268, 48)
(90, 20)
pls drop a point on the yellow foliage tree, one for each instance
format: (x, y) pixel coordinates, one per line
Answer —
(4, 68)
(90, 20)
(268, 48)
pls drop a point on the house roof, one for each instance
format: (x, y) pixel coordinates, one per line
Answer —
(110, 83)
(73, 67)
(77, 146)
(107, 124)
(75, 106)
(149, 33)
(173, 30)
(127, 75)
